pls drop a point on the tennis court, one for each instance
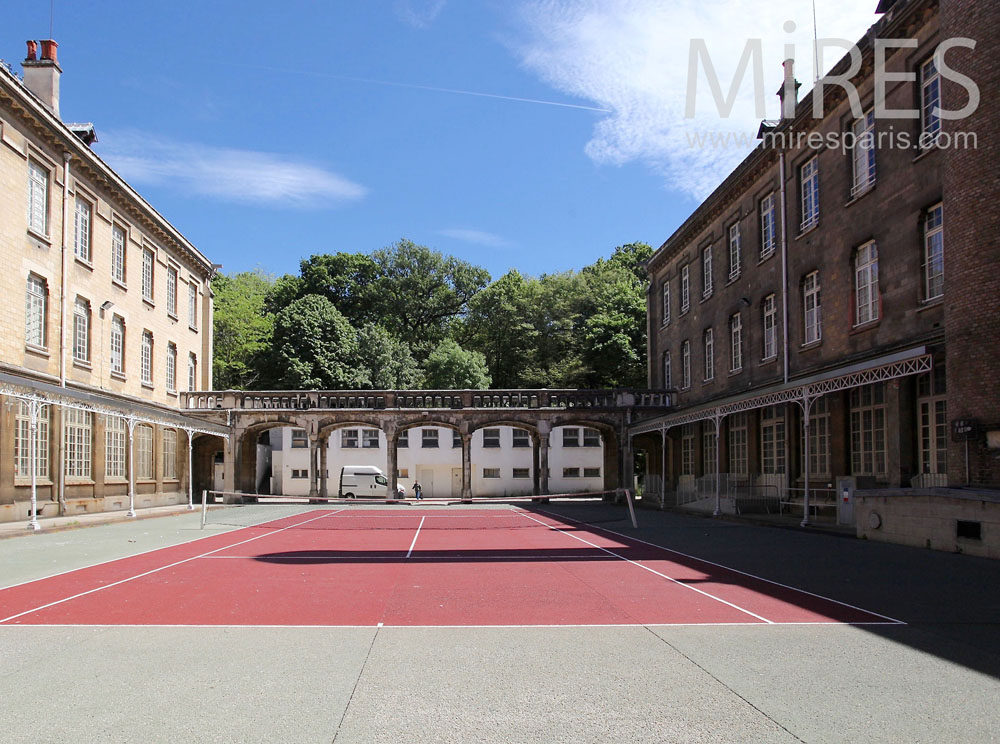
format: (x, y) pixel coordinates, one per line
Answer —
(433, 566)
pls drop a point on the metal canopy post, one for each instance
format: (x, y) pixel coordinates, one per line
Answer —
(130, 423)
(717, 420)
(190, 436)
(805, 402)
(33, 409)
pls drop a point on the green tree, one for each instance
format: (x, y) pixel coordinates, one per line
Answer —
(386, 362)
(243, 329)
(450, 367)
(314, 347)
(498, 325)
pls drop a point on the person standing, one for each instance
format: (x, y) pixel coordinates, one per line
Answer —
(417, 490)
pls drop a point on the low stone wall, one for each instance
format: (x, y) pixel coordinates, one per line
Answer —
(19, 511)
(930, 517)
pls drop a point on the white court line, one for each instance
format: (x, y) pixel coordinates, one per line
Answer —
(653, 571)
(823, 624)
(889, 620)
(410, 551)
(321, 557)
(162, 568)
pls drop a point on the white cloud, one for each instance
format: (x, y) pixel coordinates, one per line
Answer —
(479, 237)
(631, 56)
(226, 174)
(418, 13)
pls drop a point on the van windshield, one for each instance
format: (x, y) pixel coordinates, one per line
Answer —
(381, 480)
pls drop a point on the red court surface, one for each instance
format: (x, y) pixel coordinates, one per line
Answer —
(422, 568)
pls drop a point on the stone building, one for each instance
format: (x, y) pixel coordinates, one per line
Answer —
(841, 285)
(108, 316)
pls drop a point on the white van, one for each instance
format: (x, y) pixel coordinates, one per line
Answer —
(363, 481)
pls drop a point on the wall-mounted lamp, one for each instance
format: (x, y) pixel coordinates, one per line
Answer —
(105, 306)
(744, 301)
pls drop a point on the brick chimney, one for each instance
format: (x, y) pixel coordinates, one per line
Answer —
(41, 76)
(788, 93)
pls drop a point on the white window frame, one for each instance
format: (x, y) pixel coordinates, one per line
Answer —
(812, 310)
(819, 439)
(770, 324)
(148, 268)
(38, 198)
(809, 188)
(429, 439)
(768, 238)
(665, 296)
(35, 311)
(81, 330)
(687, 449)
(370, 439)
(706, 272)
(708, 340)
(22, 443)
(736, 342)
(734, 251)
(300, 439)
(193, 306)
(143, 443)
(773, 440)
(146, 358)
(172, 291)
(739, 452)
(115, 448)
(667, 372)
(685, 288)
(570, 437)
(491, 438)
(863, 153)
(192, 372)
(709, 449)
(117, 345)
(520, 438)
(934, 253)
(686, 364)
(932, 420)
(930, 99)
(171, 368)
(169, 437)
(866, 294)
(868, 430)
(349, 439)
(119, 241)
(82, 212)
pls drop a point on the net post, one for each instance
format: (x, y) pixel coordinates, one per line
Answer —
(631, 508)
(204, 508)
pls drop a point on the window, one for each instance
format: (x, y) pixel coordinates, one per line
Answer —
(768, 239)
(172, 291)
(169, 454)
(171, 366)
(521, 438)
(811, 308)
(863, 153)
(81, 330)
(456, 439)
(147, 274)
(591, 472)
(930, 102)
(934, 253)
(429, 438)
(708, 341)
(369, 438)
(144, 452)
(349, 439)
(866, 283)
(147, 358)
(81, 229)
(734, 250)
(22, 442)
(117, 345)
(932, 414)
(403, 473)
(709, 448)
(522, 473)
(687, 449)
(491, 473)
(770, 328)
(491, 438)
(738, 458)
(667, 378)
(819, 438)
(192, 372)
(706, 271)
(685, 288)
(735, 343)
(772, 439)
(193, 305)
(34, 311)
(686, 365)
(571, 473)
(403, 440)
(868, 453)
(591, 438)
(118, 239)
(809, 189)
(299, 474)
(38, 198)
(115, 437)
(570, 437)
(666, 302)
(300, 440)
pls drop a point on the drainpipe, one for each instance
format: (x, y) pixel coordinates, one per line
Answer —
(784, 266)
(62, 328)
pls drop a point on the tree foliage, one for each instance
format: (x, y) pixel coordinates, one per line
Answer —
(243, 329)
(450, 367)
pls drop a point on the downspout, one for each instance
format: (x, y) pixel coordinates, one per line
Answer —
(62, 330)
(784, 266)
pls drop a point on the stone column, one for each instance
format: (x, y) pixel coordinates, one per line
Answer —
(324, 452)
(543, 463)
(535, 469)
(466, 466)
(392, 463)
(313, 475)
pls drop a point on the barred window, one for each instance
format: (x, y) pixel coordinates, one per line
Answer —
(143, 442)
(591, 472)
(38, 198)
(81, 330)
(81, 229)
(369, 438)
(118, 239)
(35, 311)
(571, 473)
(349, 439)
(115, 437)
(22, 442)
(169, 454)
(118, 345)
(77, 432)
(456, 439)
(300, 440)
(491, 473)
(522, 473)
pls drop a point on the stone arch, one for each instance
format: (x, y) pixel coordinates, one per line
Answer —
(204, 449)
(245, 448)
(611, 441)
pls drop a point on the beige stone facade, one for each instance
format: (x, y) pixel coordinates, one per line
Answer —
(102, 297)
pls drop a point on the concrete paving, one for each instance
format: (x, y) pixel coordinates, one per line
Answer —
(936, 679)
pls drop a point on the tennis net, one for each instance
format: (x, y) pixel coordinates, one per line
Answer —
(228, 509)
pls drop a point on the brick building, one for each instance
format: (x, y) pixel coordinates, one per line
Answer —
(859, 284)
(108, 315)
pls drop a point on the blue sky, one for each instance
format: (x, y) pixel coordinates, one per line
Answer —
(267, 132)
